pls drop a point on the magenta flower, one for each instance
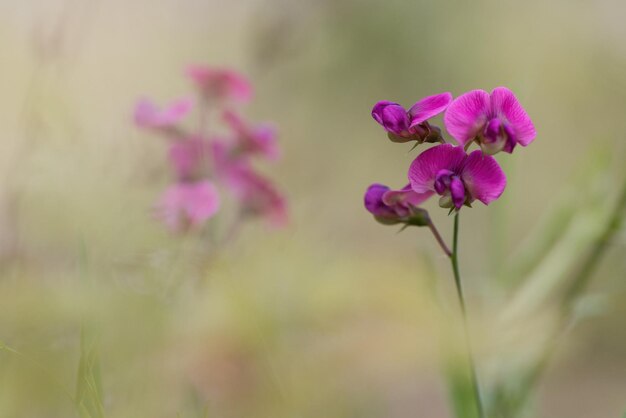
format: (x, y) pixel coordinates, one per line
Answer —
(188, 205)
(457, 177)
(220, 84)
(190, 157)
(497, 121)
(396, 206)
(259, 139)
(403, 126)
(148, 115)
(257, 195)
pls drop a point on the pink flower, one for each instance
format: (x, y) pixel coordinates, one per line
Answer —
(403, 126)
(257, 195)
(457, 177)
(396, 206)
(259, 139)
(497, 121)
(221, 84)
(188, 205)
(148, 115)
(190, 157)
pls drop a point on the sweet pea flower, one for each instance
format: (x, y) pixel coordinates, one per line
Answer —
(457, 177)
(220, 84)
(148, 115)
(412, 125)
(190, 157)
(259, 139)
(188, 205)
(396, 206)
(496, 121)
(257, 195)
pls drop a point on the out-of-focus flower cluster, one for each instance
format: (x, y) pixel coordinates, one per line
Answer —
(206, 160)
(495, 122)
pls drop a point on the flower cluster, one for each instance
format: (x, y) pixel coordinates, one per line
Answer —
(495, 122)
(201, 159)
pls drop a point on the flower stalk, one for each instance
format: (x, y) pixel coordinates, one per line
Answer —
(459, 289)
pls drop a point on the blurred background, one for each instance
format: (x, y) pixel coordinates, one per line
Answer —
(334, 315)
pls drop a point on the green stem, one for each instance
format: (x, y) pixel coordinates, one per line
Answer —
(459, 290)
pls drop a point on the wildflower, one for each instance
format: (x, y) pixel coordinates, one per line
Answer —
(412, 125)
(259, 139)
(220, 84)
(187, 205)
(496, 121)
(457, 177)
(257, 195)
(148, 115)
(396, 206)
(190, 157)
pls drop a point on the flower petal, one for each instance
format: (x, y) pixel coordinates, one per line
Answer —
(505, 105)
(201, 201)
(148, 115)
(467, 115)
(221, 83)
(424, 168)
(373, 200)
(405, 196)
(457, 191)
(189, 156)
(483, 177)
(429, 107)
(392, 117)
(188, 204)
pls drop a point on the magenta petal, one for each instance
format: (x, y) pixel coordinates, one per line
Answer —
(424, 168)
(265, 137)
(148, 115)
(467, 115)
(392, 117)
(373, 200)
(188, 204)
(406, 196)
(457, 191)
(483, 177)
(505, 105)
(429, 107)
(188, 156)
(221, 83)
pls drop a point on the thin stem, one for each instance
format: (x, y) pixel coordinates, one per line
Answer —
(459, 290)
(440, 240)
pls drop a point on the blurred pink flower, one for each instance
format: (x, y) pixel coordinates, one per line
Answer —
(221, 84)
(190, 157)
(188, 205)
(257, 195)
(254, 139)
(148, 114)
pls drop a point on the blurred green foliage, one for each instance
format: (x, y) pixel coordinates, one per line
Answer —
(102, 313)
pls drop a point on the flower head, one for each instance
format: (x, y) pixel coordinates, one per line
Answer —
(188, 205)
(396, 206)
(220, 84)
(412, 125)
(497, 121)
(190, 157)
(256, 194)
(457, 177)
(148, 114)
(259, 139)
